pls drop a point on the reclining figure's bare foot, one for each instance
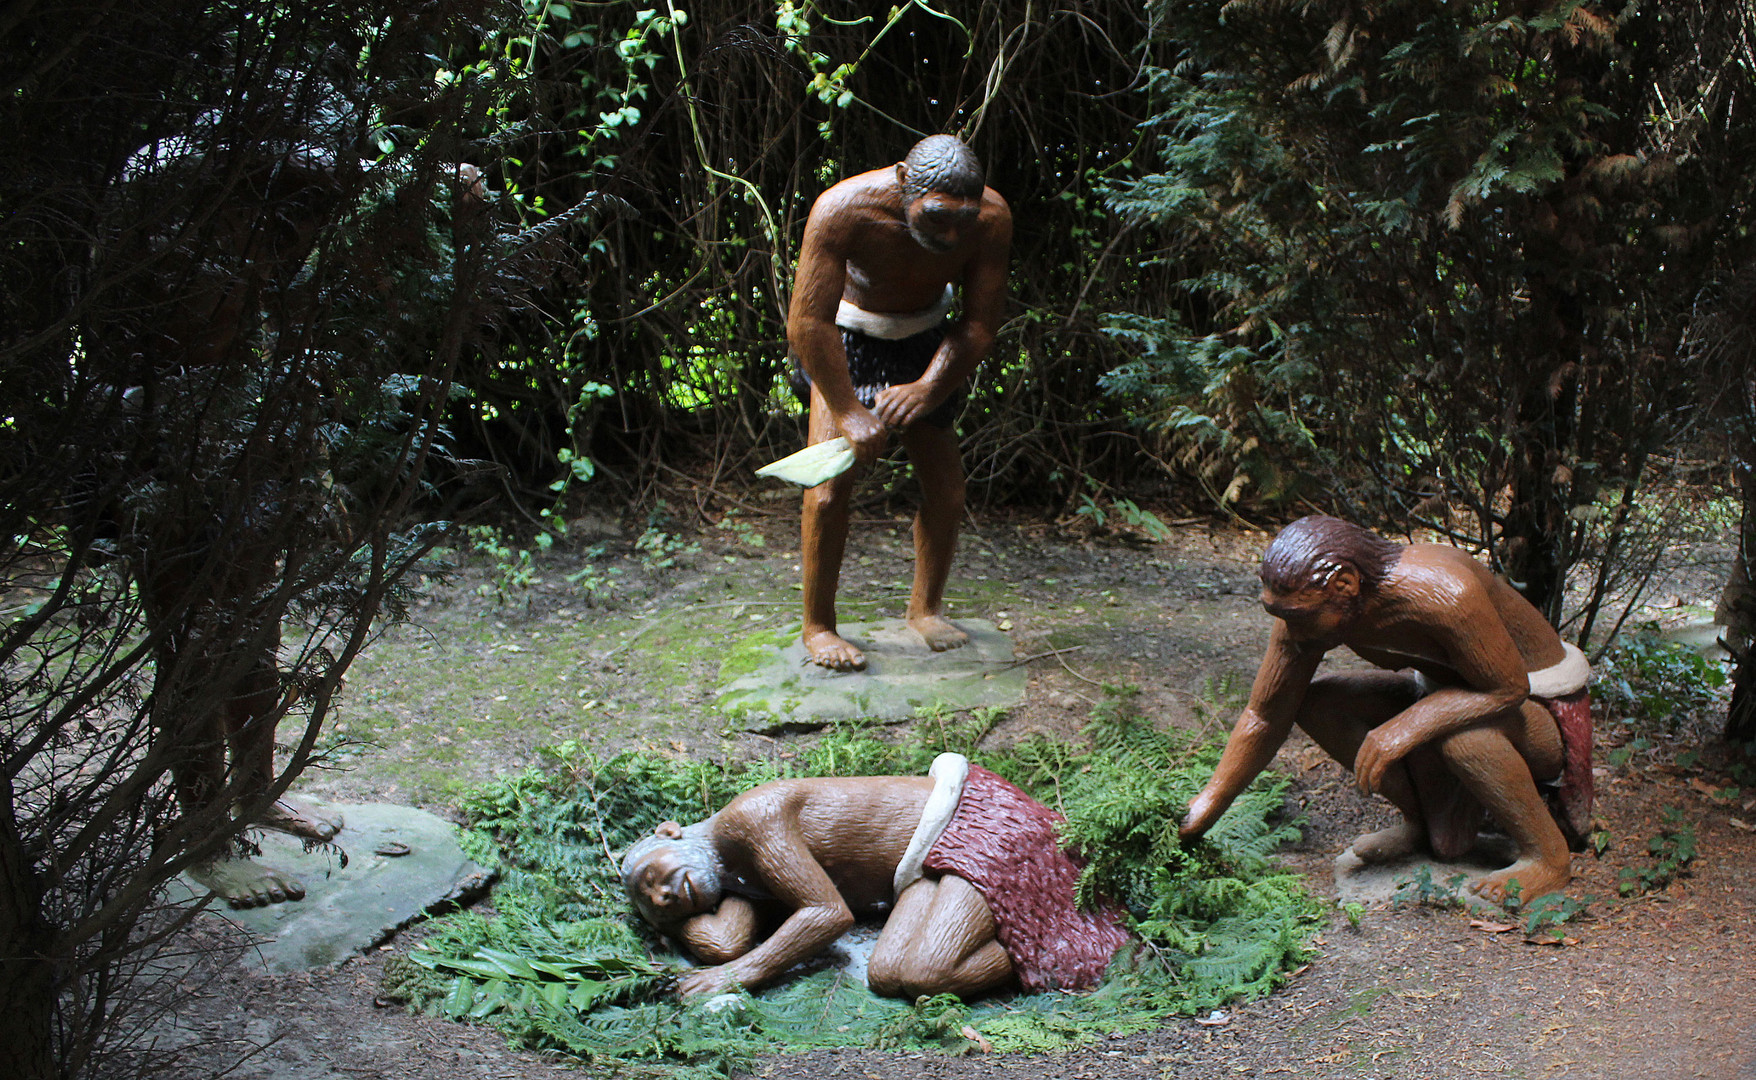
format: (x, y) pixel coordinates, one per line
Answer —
(938, 632)
(301, 819)
(1535, 877)
(247, 883)
(827, 649)
(1387, 844)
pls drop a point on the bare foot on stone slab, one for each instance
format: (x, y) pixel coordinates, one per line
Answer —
(1535, 878)
(299, 818)
(1387, 844)
(938, 632)
(247, 883)
(827, 649)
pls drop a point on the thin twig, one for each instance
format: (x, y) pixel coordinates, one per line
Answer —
(1039, 656)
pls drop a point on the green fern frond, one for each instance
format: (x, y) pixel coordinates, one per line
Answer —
(564, 966)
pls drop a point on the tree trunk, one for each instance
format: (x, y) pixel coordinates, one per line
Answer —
(27, 977)
(1737, 610)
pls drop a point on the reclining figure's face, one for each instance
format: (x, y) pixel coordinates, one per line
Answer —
(674, 879)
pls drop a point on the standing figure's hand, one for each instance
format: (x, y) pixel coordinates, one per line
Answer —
(901, 405)
(864, 432)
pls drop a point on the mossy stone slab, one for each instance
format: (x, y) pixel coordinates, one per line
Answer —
(1369, 884)
(350, 909)
(768, 685)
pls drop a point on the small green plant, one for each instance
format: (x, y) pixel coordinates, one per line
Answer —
(1422, 890)
(1546, 914)
(1672, 849)
(742, 532)
(1090, 509)
(938, 1020)
(1144, 520)
(1126, 511)
(1644, 679)
(596, 582)
(938, 729)
(1354, 910)
(657, 547)
(1621, 755)
(1514, 895)
(511, 569)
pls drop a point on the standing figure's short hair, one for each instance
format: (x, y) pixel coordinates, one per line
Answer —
(1308, 552)
(942, 163)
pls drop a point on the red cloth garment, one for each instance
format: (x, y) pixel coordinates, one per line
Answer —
(1003, 842)
(1570, 802)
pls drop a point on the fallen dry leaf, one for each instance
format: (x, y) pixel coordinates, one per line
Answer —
(1214, 1019)
(976, 1037)
(1487, 927)
(1543, 939)
(1744, 825)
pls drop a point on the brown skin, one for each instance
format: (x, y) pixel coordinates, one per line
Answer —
(858, 246)
(826, 851)
(1476, 743)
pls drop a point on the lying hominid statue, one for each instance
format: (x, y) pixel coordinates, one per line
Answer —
(979, 893)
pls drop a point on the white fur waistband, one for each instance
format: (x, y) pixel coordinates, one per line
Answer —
(1567, 676)
(891, 325)
(948, 771)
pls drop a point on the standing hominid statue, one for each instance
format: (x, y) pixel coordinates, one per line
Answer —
(882, 257)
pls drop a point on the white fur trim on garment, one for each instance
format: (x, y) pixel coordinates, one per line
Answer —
(948, 771)
(1568, 676)
(892, 325)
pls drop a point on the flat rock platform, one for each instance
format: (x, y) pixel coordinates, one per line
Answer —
(1401, 879)
(401, 864)
(767, 685)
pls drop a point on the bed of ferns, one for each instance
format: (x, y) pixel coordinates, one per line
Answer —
(562, 965)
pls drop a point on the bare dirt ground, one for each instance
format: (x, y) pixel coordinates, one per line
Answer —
(1660, 986)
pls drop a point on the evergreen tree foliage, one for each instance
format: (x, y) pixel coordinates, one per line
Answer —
(239, 265)
(563, 964)
(1441, 258)
(715, 125)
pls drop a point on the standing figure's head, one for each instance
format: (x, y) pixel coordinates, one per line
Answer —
(1320, 570)
(941, 183)
(673, 874)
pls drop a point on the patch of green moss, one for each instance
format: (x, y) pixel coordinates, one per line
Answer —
(748, 654)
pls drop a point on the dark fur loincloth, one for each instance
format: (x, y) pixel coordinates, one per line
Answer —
(875, 363)
(1570, 800)
(1003, 842)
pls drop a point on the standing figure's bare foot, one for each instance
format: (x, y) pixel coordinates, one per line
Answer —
(1535, 877)
(247, 883)
(301, 819)
(938, 632)
(827, 649)
(1387, 844)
